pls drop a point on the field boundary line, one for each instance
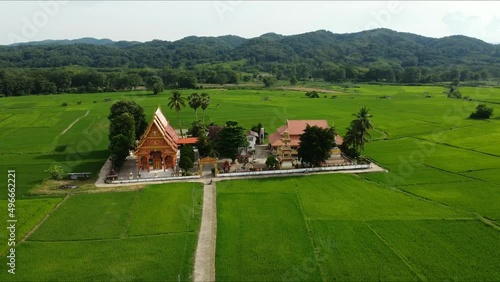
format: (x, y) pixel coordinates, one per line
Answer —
(455, 173)
(114, 239)
(310, 235)
(401, 257)
(432, 183)
(487, 221)
(396, 189)
(130, 214)
(456, 147)
(1, 120)
(35, 228)
(439, 203)
(74, 122)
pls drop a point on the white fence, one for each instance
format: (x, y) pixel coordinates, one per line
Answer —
(159, 179)
(293, 171)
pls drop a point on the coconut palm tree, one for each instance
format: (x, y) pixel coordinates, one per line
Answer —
(363, 120)
(194, 101)
(357, 134)
(177, 102)
(204, 103)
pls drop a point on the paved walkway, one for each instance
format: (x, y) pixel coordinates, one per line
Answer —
(105, 169)
(204, 265)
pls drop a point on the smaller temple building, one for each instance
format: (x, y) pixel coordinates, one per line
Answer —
(288, 136)
(295, 129)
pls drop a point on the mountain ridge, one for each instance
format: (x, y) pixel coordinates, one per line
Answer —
(273, 35)
(314, 49)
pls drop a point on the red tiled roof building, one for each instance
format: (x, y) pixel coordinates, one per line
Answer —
(295, 129)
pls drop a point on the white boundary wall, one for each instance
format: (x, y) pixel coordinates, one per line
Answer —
(159, 179)
(293, 171)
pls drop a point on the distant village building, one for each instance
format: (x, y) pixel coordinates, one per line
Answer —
(252, 139)
(158, 148)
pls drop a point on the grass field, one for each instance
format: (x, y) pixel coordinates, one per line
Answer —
(29, 212)
(442, 183)
(360, 231)
(154, 258)
(83, 146)
(143, 235)
(157, 212)
(88, 216)
(274, 242)
(443, 173)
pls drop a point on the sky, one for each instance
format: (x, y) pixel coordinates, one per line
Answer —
(23, 21)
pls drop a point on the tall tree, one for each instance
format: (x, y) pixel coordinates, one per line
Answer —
(119, 149)
(205, 145)
(204, 103)
(131, 107)
(155, 83)
(197, 128)
(316, 144)
(134, 80)
(123, 125)
(177, 102)
(194, 101)
(230, 138)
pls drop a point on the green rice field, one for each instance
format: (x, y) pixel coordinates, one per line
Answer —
(358, 230)
(112, 236)
(433, 216)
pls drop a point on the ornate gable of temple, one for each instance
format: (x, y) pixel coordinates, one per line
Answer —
(159, 136)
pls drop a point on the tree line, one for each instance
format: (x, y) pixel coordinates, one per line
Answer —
(20, 82)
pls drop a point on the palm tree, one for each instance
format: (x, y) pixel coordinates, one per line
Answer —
(177, 102)
(357, 133)
(194, 101)
(204, 103)
(363, 120)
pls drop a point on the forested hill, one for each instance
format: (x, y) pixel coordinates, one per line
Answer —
(314, 48)
(379, 55)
